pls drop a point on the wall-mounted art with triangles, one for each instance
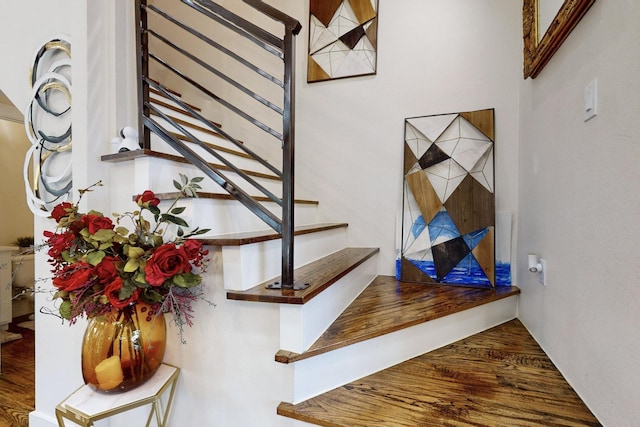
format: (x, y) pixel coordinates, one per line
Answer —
(448, 218)
(342, 39)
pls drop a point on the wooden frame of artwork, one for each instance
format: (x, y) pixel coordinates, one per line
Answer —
(342, 39)
(539, 50)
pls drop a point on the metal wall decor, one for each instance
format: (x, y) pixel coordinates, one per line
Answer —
(448, 223)
(342, 39)
(48, 127)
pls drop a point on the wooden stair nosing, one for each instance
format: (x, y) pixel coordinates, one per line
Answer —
(143, 152)
(186, 123)
(320, 274)
(174, 92)
(388, 305)
(178, 95)
(500, 376)
(172, 195)
(214, 146)
(250, 237)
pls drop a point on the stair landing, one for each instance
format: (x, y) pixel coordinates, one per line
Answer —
(499, 377)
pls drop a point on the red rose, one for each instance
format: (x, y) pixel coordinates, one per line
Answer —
(167, 261)
(58, 242)
(112, 291)
(147, 198)
(194, 251)
(106, 270)
(192, 248)
(73, 276)
(97, 222)
(61, 210)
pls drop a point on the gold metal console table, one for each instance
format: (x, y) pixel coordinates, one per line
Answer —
(85, 406)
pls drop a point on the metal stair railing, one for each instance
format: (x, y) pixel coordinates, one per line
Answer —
(164, 35)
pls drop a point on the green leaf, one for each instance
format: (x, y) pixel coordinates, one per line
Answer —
(152, 296)
(197, 179)
(122, 231)
(154, 210)
(133, 252)
(180, 232)
(177, 185)
(103, 235)
(65, 310)
(94, 258)
(187, 280)
(127, 290)
(131, 265)
(178, 210)
(184, 179)
(140, 279)
(174, 219)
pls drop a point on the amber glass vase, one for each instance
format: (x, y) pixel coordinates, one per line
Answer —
(123, 349)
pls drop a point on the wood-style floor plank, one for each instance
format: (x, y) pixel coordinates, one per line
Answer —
(388, 305)
(17, 380)
(499, 377)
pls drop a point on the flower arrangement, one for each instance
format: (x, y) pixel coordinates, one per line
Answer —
(100, 265)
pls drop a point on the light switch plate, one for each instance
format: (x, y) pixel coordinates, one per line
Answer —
(591, 100)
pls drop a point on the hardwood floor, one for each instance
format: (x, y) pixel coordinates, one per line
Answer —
(500, 377)
(17, 379)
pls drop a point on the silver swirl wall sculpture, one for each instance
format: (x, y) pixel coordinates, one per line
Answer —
(48, 127)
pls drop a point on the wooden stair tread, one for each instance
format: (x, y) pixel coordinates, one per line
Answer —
(157, 92)
(214, 146)
(225, 196)
(320, 274)
(185, 123)
(250, 237)
(499, 377)
(130, 155)
(388, 305)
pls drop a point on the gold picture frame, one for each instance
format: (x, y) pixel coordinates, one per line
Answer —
(538, 50)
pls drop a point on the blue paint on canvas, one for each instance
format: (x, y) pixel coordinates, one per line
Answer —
(442, 227)
(472, 239)
(503, 273)
(418, 226)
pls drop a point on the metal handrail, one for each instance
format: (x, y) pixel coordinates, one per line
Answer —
(281, 49)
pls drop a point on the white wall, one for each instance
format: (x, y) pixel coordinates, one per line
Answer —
(579, 209)
(435, 57)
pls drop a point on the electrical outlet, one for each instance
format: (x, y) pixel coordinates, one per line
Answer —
(542, 277)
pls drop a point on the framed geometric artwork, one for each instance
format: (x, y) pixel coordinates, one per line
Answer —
(448, 216)
(342, 39)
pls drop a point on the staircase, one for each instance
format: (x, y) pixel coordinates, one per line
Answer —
(355, 348)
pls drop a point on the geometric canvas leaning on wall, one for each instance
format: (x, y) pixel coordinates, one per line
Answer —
(448, 216)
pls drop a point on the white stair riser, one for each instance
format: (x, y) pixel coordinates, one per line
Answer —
(248, 265)
(325, 372)
(157, 144)
(160, 174)
(302, 325)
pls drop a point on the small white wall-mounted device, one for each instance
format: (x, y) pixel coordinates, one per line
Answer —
(534, 265)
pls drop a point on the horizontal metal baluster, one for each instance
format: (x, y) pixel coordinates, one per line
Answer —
(221, 101)
(241, 26)
(218, 73)
(218, 46)
(214, 153)
(214, 128)
(269, 218)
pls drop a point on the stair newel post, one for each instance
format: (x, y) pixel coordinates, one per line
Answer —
(142, 68)
(288, 160)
